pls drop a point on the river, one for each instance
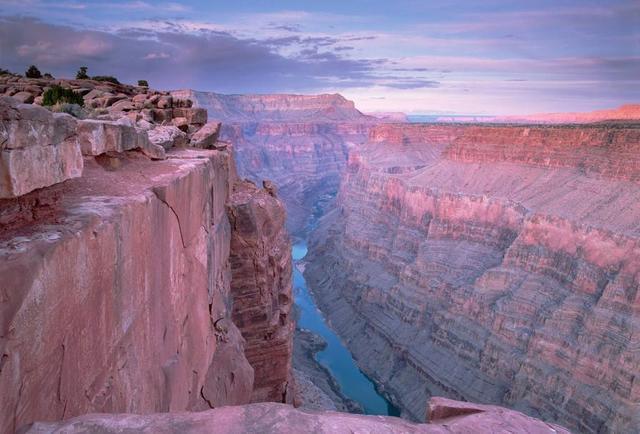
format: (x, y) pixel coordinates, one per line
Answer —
(336, 357)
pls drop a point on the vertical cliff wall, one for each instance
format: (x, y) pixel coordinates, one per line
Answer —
(493, 264)
(261, 288)
(116, 288)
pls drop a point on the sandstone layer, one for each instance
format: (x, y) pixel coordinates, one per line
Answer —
(448, 417)
(494, 264)
(261, 288)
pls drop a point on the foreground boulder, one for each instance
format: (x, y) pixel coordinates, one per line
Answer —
(37, 148)
(283, 419)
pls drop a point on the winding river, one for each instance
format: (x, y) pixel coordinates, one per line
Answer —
(336, 357)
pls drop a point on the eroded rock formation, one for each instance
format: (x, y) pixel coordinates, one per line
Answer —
(261, 288)
(495, 264)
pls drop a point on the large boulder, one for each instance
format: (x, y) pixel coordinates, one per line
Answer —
(37, 148)
(206, 136)
(167, 136)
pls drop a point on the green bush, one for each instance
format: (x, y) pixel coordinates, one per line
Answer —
(108, 78)
(33, 72)
(47, 75)
(7, 72)
(82, 73)
(143, 83)
(61, 95)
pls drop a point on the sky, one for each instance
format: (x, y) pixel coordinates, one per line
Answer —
(492, 57)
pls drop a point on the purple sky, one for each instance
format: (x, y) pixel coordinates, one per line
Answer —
(456, 56)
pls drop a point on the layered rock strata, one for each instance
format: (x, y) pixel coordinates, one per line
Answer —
(261, 288)
(495, 264)
(448, 417)
(300, 142)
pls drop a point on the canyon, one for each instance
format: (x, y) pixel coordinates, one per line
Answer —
(497, 264)
(142, 274)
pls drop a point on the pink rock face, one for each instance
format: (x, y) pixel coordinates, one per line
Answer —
(109, 302)
(495, 264)
(280, 418)
(261, 288)
(37, 148)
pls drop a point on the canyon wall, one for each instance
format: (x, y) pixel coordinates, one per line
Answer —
(261, 287)
(496, 264)
(300, 142)
(117, 265)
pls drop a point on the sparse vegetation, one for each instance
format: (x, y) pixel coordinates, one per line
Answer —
(33, 72)
(48, 75)
(143, 83)
(108, 78)
(7, 72)
(61, 95)
(82, 73)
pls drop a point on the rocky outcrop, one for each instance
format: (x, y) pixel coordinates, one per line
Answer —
(495, 264)
(30, 133)
(109, 301)
(261, 288)
(279, 418)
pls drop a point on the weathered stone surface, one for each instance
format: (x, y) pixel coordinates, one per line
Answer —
(97, 137)
(492, 264)
(109, 300)
(24, 97)
(206, 136)
(280, 418)
(37, 148)
(261, 288)
(193, 115)
(167, 136)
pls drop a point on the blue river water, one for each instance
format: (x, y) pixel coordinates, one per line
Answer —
(336, 357)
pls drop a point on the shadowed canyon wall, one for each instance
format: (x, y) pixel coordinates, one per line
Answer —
(492, 264)
(299, 142)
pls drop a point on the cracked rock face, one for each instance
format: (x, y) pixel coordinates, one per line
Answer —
(493, 264)
(109, 298)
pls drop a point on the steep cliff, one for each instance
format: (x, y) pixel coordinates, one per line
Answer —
(116, 283)
(261, 288)
(494, 264)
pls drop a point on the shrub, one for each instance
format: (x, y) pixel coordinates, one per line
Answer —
(143, 83)
(108, 78)
(33, 72)
(61, 95)
(82, 73)
(47, 75)
(7, 72)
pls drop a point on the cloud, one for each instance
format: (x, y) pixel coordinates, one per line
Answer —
(171, 57)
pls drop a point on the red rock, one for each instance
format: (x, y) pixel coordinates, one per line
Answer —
(167, 136)
(492, 264)
(109, 300)
(206, 136)
(261, 289)
(38, 148)
(280, 418)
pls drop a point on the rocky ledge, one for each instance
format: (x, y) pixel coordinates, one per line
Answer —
(446, 417)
